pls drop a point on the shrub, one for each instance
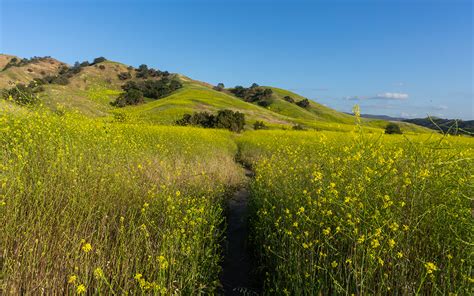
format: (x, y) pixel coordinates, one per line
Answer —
(253, 94)
(298, 127)
(61, 80)
(130, 97)
(124, 75)
(289, 99)
(303, 103)
(144, 72)
(393, 128)
(226, 119)
(98, 60)
(219, 87)
(154, 89)
(264, 103)
(259, 125)
(102, 67)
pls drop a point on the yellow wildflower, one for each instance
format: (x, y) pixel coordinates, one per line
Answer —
(430, 267)
(72, 279)
(391, 243)
(81, 289)
(87, 247)
(98, 273)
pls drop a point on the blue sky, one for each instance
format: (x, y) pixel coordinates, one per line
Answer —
(401, 58)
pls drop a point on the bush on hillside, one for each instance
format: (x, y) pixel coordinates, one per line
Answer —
(144, 72)
(98, 60)
(253, 94)
(153, 89)
(225, 119)
(289, 99)
(393, 128)
(131, 97)
(303, 103)
(228, 119)
(298, 127)
(219, 87)
(264, 103)
(124, 75)
(259, 125)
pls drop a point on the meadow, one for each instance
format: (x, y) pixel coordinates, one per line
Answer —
(361, 214)
(98, 206)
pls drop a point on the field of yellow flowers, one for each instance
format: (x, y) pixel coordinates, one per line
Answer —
(355, 214)
(97, 206)
(106, 208)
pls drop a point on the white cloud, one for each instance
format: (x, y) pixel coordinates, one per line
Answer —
(391, 96)
(408, 115)
(381, 96)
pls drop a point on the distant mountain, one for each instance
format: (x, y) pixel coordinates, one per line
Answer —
(452, 126)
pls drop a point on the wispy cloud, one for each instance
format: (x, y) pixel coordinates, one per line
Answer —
(408, 115)
(381, 96)
(391, 96)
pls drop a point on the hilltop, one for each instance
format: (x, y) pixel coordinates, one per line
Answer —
(93, 89)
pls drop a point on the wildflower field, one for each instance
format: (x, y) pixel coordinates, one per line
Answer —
(90, 206)
(95, 206)
(348, 213)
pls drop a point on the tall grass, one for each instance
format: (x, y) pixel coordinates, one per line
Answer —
(96, 207)
(363, 215)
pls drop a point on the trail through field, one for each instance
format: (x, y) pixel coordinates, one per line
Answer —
(238, 275)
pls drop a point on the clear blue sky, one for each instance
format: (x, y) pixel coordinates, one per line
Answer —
(400, 58)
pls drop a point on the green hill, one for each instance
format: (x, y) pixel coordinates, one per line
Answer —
(90, 88)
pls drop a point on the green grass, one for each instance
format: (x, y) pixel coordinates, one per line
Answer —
(195, 98)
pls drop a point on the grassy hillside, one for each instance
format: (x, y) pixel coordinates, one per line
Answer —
(90, 91)
(194, 97)
(94, 87)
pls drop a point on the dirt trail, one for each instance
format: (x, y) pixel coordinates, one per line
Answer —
(238, 275)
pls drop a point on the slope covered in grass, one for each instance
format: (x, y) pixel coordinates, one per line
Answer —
(91, 90)
(194, 97)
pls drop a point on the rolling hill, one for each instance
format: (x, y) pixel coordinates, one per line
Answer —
(90, 88)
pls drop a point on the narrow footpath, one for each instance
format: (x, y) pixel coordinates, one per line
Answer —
(238, 268)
